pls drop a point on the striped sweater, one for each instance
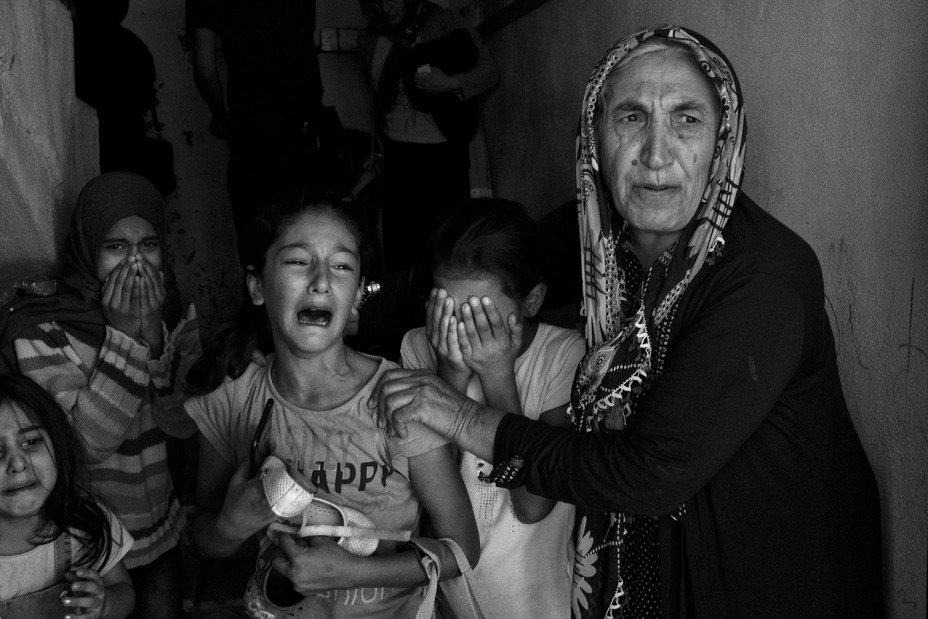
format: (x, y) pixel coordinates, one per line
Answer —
(119, 401)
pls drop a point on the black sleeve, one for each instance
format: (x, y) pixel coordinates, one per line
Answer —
(722, 377)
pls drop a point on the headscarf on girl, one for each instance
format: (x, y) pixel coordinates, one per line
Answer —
(620, 327)
(74, 300)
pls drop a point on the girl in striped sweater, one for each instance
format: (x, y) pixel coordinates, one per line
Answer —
(100, 346)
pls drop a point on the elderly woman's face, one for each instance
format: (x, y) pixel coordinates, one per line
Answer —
(656, 139)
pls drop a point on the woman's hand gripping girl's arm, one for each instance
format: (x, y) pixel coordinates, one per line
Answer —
(99, 597)
(490, 346)
(231, 507)
(319, 564)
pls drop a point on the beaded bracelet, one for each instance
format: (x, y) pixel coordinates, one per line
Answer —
(504, 474)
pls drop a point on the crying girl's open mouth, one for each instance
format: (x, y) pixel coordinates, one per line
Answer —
(315, 317)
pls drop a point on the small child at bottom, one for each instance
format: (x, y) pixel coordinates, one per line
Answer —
(483, 339)
(60, 551)
(303, 277)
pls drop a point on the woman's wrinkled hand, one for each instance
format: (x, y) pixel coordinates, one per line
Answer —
(245, 510)
(405, 396)
(489, 343)
(315, 564)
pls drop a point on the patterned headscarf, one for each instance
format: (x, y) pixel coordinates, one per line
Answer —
(611, 321)
(620, 327)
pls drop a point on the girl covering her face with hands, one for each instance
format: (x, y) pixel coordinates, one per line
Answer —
(305, 285)
(60, 551)
(111, 349)
(482, 339)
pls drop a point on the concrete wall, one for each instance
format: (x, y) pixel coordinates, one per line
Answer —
(837, 123)
(48, 138)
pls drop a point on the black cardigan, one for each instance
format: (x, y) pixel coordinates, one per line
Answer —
(747, 425)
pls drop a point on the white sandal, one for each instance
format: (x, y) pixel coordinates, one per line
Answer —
(290, 495)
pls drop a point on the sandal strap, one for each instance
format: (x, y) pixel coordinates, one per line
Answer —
(328, 530)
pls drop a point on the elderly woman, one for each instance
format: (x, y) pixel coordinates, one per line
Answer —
(714, 461)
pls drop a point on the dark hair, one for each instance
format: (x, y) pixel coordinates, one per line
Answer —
(491, 236)
(70, 506)
(229, 350)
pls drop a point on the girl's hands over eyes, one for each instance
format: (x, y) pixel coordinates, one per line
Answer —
(441, 328)
(489, 343)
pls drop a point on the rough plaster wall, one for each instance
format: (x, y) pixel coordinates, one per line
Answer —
(837, 121)
(48, 138)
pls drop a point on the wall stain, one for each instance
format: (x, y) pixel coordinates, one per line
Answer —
(904, 598)
(908, 346)
(834, 321)
(850, 322)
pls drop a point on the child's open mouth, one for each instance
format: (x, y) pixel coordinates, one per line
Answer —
(314, 317)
